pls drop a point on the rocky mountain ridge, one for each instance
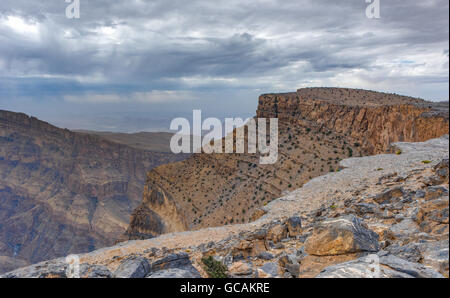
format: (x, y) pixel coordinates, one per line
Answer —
(380, 216)
(318, 127)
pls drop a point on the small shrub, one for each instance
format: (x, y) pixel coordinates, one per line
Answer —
(426, 161)
(399, 152)
(215, 269)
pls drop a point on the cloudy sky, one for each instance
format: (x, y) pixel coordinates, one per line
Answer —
(131, 65)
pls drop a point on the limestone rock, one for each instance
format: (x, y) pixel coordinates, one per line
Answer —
(269, 270)
(49, 269)
(176, 273)
(405, 229)
(277, 233)
(294, 226)
(240, 269)
(290, 264)
(133, 268)
(341, 236)
(375, 266)
(389, 196)
(95, 271)
(176, 260)
(414, 269)
(435, 255)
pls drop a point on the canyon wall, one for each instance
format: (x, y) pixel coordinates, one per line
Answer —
(376, 119)
(318, 127)
(62, 192)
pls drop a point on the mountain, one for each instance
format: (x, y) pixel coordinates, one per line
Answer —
(381, 216)
(63, 192)
(318, 127)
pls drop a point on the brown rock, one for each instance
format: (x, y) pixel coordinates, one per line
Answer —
(294, 226)
(277, 233)
(240, 269)
(341, 236)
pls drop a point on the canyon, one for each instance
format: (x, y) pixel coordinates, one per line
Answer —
(343, 162)
(380, 216)
(63, 192)
(318, 127)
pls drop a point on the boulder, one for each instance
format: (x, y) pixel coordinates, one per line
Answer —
(410, 252)
(434, 192)
(49, 269)
(265, 256)
(379, 266)
(442, 172)
(95, 271)
(407, 228)
(269, 270)
(413, 269)
(290, 263)
(294, 226)
(240, 269)
(277, 233)
(389, 196)
(175, 260)
(435, 255)
(340, 236)
(133, 268)
(186, 272)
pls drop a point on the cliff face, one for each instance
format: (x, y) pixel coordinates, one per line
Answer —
(318, 127)
(376, 119)
(62, 192)
(158, 214)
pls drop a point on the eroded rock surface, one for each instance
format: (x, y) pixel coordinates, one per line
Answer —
(345, 205)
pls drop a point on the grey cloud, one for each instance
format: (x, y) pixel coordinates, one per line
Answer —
(270, 45)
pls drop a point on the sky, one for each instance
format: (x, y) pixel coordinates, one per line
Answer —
(134, 65)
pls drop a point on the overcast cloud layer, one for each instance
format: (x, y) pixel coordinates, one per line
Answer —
(134, 65)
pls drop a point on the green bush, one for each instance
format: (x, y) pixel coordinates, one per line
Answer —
(215, 269)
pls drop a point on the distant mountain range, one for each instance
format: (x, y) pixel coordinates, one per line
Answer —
(151, 141)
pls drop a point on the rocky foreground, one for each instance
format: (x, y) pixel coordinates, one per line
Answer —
(379, 216)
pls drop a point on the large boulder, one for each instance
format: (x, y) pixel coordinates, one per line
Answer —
(294, 226)
(185, 272)
(241, 269)
(341, 236)
(269, 270)
(379, 266)
(175, 260)
(407, 228)
(95, 271)
(50, 269)
(277, 233)
(133, 268)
